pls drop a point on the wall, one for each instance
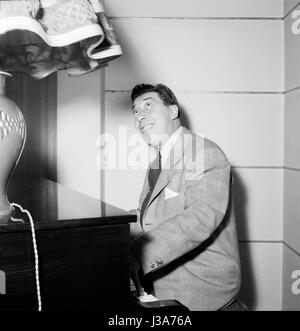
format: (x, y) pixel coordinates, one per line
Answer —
(37, 101)
(226, 65)
(79, 124)
(291, 209)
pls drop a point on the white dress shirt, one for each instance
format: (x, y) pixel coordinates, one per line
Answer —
(167, 147)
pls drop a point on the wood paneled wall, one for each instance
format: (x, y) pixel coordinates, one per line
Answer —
(37, 100)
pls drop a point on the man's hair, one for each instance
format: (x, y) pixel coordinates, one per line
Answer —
(166, 95)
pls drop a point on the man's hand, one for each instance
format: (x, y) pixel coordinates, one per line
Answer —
(135, 271)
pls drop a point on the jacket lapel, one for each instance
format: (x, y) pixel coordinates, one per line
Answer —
(145, 188)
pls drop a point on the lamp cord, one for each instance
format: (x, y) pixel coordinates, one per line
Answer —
(36, 256)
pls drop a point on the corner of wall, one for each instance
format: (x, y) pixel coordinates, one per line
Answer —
(290, 255)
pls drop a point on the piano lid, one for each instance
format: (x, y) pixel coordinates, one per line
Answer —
(53, 205)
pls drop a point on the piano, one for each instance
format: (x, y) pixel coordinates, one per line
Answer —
(83, 249)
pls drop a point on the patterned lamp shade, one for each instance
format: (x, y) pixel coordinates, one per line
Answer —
(39, 37)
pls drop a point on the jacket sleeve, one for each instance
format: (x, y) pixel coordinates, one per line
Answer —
(135, 228)
(206, 201)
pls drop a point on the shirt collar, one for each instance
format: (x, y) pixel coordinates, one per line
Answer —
(167, 147)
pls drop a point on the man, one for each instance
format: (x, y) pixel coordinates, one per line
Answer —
(184, 242)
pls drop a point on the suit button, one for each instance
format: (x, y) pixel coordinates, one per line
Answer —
(160, 262)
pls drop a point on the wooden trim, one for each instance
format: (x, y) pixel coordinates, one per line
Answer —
(50, 125)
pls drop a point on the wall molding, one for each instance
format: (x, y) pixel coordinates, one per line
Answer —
(205, 18)
(211, 92)
(222, 92)
(289, 13)
(291, 248)
(103, 131)
(291, 169)
(196, 18)
(292, 90)
(258, 167)
(270, 242)
(260, 241)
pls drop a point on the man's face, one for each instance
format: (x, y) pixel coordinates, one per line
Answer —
(153, 119)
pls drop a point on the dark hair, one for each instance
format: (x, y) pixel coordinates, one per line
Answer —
(166, 95)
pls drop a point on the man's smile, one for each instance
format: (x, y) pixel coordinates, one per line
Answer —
(146, 126)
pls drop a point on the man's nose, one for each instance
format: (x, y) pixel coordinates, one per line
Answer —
(141, 116)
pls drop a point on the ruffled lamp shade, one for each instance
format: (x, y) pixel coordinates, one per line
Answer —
(39, 37)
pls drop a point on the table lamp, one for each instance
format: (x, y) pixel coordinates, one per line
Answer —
(38, 38)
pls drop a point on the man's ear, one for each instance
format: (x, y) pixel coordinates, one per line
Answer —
(174, 111)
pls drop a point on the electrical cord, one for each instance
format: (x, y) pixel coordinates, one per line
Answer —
(36, 256)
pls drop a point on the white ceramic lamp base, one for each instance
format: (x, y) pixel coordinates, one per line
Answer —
(12, 140)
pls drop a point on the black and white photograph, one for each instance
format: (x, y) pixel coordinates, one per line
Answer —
(149, 158)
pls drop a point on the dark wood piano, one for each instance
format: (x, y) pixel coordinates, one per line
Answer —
(83, 246)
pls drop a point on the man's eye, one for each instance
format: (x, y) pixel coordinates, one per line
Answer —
(148, 105)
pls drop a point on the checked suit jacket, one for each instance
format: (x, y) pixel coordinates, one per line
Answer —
(187, 242)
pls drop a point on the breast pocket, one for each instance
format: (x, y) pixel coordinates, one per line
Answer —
(174, 202)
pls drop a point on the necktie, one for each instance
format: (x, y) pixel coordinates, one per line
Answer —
(153, 175)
